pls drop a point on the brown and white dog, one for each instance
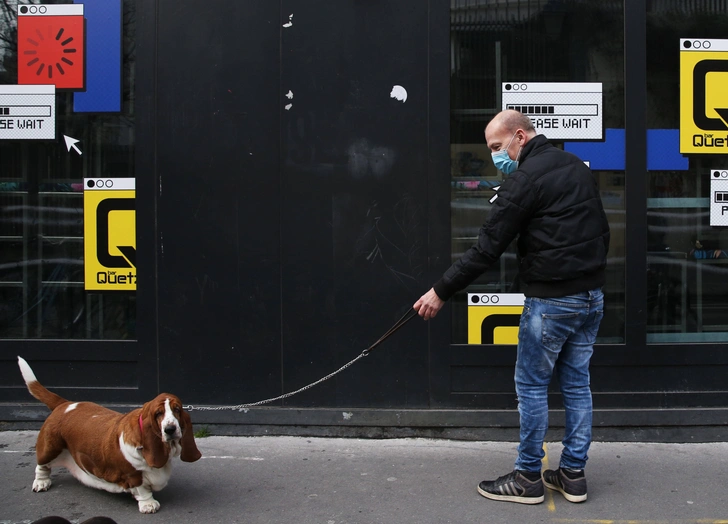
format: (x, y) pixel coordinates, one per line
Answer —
(108, 450)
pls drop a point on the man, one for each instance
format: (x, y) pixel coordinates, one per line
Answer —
(552, 204)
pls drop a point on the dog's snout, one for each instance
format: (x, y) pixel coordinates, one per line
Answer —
(170, 430)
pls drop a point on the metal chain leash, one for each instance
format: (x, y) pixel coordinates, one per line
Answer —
(401, 322)
(240, 407)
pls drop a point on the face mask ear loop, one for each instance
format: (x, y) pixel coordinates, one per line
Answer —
(520, 148)
(511, 141)
(509, 145)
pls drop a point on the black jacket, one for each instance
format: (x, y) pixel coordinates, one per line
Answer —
(552, 203)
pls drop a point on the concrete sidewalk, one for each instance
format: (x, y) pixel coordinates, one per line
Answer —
(337, 481)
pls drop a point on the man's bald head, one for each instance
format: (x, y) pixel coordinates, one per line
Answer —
(504, 126)
(511, 120)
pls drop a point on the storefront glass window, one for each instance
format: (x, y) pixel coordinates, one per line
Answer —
(83, 52)
(687, 257)
(562, 41)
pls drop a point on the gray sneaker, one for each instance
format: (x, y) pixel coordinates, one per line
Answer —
(514, 487)
(571, 484)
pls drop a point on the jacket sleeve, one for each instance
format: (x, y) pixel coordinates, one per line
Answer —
(510, 212)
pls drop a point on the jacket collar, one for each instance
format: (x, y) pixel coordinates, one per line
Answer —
(537, 143)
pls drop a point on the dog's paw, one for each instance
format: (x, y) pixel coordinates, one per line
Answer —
(148, 506)
(41, 485)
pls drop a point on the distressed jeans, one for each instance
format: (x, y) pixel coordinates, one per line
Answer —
(556, 337)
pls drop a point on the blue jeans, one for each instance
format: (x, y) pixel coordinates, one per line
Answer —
(556, 335)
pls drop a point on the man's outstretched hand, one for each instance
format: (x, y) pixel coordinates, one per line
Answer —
(428, 305)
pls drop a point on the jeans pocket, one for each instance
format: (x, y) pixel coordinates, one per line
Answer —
(556, 328)
(591, 328)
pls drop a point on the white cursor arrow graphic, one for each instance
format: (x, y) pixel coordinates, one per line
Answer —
(71, 143)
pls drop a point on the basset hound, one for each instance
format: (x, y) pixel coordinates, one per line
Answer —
(108, 450)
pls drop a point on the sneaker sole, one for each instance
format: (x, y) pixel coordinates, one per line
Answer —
(511, 498)
(567, 496)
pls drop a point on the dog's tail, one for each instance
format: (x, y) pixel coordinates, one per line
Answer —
(46, 397)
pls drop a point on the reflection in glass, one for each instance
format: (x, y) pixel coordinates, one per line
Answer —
(526, 41)
(687, 258)
(41, 211)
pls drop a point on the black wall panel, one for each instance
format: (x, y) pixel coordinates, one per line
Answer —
(218, 199)
(291, 238)
(354, 195)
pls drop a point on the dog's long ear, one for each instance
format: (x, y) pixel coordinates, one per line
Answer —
(190, 453)
(153, 449)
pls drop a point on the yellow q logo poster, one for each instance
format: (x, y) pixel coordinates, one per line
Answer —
(493, 318)
(109, 216)
(703, 96)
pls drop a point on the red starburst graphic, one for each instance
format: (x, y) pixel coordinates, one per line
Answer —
(51, 51)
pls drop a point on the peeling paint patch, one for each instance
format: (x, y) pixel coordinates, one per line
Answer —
(288, 107)
(347, 416)
(399, 93)
(289, 95)
(290, 21)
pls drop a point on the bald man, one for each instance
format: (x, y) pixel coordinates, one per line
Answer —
(550, 201)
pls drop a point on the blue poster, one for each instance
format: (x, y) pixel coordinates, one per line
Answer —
(103, 58)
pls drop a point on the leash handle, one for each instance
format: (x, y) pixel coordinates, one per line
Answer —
(409, 315)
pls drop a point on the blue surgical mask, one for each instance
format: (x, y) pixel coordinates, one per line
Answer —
(504, 162)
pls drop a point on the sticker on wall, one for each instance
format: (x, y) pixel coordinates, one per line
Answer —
(719, 197)
(51, 46)
(558, 110)
(109, 214)
(27, 112)
(71, 144)
(493, 318)
(703, 96)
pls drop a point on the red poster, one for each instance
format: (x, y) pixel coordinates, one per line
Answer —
(51, 46)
